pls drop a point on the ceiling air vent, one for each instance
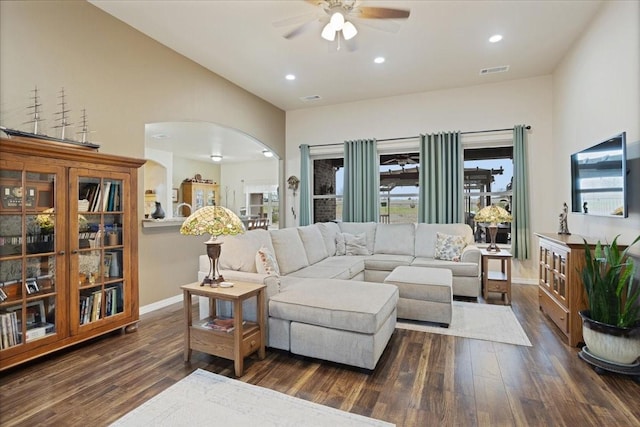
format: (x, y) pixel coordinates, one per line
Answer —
(500, 69)
(310, 98)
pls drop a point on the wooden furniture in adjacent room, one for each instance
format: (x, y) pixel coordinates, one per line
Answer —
(496, 281)
(560, 289)
(198, 195)
(68, 246)
(244, 339)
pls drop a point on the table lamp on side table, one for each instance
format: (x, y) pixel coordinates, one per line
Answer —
(214, 220)
(493, 214)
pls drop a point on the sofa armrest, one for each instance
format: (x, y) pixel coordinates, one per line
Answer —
(471, 253)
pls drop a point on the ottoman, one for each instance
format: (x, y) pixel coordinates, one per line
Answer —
(425, 293)
(342, 321)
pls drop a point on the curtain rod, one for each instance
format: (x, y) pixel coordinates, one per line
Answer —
(418, 136)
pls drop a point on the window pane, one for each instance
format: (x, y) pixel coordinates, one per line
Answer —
(488, 177)
(399, 187)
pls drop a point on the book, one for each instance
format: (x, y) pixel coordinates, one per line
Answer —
(222, 324)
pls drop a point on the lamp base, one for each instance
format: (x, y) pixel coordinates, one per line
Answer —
(493, 232)
(213, 252)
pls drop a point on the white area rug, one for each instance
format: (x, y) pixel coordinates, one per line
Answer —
(207, 399)
(480, 321)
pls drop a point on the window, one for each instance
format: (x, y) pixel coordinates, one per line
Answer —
(488, 177)
(399, 187)
(328, 179)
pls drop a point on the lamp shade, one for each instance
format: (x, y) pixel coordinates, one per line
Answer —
(493, 214)
(214, 220)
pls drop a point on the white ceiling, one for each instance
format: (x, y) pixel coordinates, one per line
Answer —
(443, 44)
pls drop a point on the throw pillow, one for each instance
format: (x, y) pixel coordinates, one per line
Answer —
(449, 247)
(266, 262)
(341, 248)
(356, 245)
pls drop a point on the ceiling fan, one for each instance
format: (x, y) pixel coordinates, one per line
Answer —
(337, 16)
(401, 160)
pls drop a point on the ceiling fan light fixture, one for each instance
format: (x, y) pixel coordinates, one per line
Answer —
(349, 30)
(337, 21)
(328, 33)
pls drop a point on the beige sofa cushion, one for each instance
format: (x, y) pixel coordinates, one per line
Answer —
(239, 252)
(386, 262)
(289, 250)
(313, 243)
(329, 231)
(395, 239)
(425, 243)
(368, 228)
(459, 269)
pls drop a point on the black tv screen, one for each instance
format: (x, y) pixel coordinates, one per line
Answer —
(599, 179)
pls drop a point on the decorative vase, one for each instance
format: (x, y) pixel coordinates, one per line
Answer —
(158, 213)
(610, 343)
(114, 267)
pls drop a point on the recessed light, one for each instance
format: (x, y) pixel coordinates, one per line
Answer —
(495, 38)
(267, 153)
(379, 60)
(290, 77)
(216, 158)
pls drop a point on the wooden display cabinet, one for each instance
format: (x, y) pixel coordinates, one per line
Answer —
(198, 195)
(561, 292)
(68, 246)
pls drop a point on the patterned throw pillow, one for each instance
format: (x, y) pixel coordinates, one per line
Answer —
(266, 262)
(356, 244)
(449, 247)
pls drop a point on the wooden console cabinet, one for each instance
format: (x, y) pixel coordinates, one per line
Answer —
(560, 290)
(68, 246)
(198, 195)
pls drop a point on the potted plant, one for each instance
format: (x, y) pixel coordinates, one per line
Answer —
(611, 325)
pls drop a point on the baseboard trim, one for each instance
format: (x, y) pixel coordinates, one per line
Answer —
(160, 304)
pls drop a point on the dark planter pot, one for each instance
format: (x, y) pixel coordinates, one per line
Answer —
(611, 343)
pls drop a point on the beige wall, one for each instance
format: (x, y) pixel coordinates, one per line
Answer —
(491, 106)
(596, 92)
(124, 80)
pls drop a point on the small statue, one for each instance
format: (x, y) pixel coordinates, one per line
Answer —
(585, 208)
(564, 228)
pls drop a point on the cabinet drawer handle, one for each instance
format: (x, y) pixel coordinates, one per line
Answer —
(75, 251)
(253, 343)
(61, 253)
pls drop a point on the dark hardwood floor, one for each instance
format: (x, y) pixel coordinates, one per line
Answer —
(421, 380)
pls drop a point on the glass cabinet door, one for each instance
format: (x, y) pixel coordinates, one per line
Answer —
(31, 255)
(99, 261)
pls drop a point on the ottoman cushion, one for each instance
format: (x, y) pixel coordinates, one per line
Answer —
(352, 306)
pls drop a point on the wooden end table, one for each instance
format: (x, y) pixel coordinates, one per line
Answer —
(496, 281)
(245, 338)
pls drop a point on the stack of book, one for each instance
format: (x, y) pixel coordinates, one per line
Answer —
(223, 324)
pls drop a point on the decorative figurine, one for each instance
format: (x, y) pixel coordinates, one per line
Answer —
(158, 213)
(585, 208)
(564, 228)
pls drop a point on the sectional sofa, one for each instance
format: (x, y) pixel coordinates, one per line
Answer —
(325, 293)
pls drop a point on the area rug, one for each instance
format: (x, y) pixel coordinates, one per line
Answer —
(207, 399)
(480, 321)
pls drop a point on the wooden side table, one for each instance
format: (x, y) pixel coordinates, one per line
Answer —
(496, 281)
(246, 337)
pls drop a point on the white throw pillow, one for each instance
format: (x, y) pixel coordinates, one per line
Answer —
(341, 248)
(266, 262)
(356, 245)
(449, 247)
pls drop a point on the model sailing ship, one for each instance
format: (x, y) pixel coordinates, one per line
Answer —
(63, 123)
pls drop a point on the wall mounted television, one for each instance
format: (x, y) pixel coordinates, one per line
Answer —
(599, 179)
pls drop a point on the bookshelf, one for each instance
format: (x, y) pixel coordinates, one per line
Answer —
(68, 246)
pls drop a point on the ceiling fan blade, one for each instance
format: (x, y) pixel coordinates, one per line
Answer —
(386, 25)
(382, 13)
(299, 19)
(300, 29)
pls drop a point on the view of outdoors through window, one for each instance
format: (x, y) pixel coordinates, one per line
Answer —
(488, 176)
